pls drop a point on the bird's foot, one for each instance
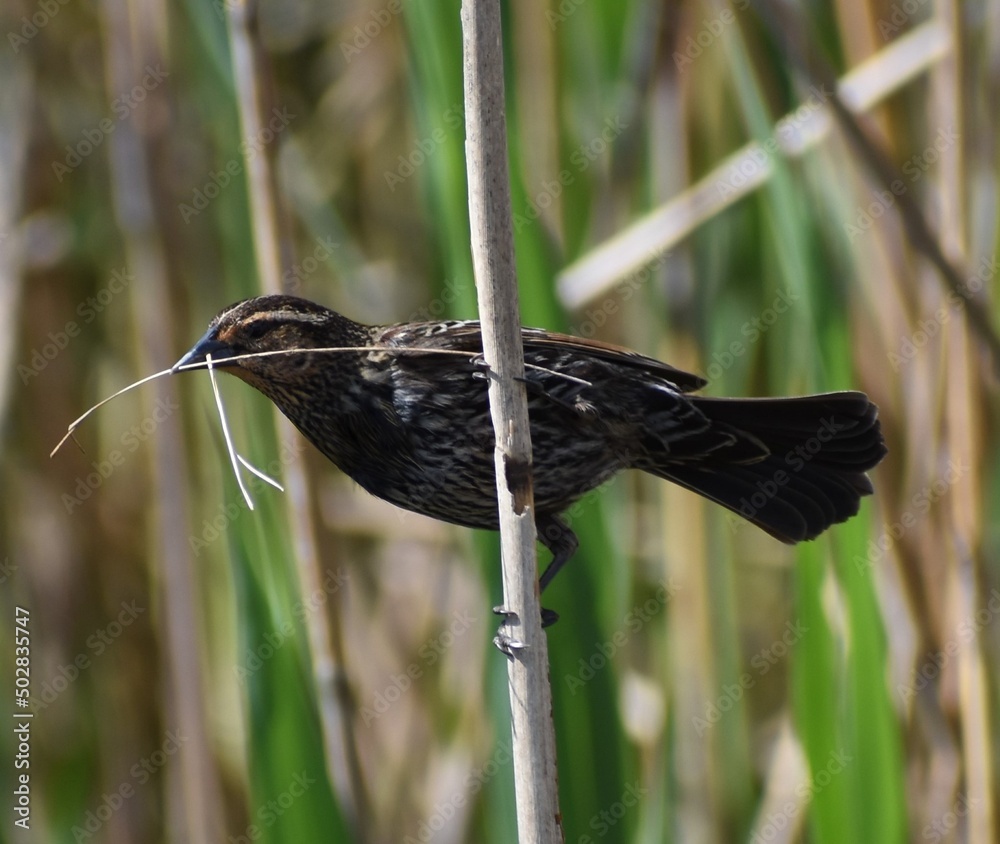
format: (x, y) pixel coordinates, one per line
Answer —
(549, 617)
(504, 643)
(483, 369)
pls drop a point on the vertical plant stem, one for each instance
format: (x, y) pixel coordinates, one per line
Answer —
(534, 749)
(273, 252)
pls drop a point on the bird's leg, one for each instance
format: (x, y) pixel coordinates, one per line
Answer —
(555, 535)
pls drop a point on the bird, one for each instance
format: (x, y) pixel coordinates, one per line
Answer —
(403, 410)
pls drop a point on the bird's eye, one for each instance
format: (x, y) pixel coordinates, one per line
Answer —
(256, 330)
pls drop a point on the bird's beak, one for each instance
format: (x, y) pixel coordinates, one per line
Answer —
(207, 345)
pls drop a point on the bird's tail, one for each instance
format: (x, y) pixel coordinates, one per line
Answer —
(816, 450)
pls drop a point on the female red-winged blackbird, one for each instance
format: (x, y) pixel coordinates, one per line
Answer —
(409, 421)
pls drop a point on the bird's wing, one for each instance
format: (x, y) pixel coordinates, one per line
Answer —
(641, 399)
(535, 338)
(549, 345)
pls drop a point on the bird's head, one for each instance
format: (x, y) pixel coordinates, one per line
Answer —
(273, 324)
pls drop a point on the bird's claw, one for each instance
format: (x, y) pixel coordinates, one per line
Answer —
(508, 615)
(549, 617)
(503, 641)
(483, 369)
(507, 646)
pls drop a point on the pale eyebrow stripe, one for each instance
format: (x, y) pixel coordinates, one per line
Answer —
(281, 316)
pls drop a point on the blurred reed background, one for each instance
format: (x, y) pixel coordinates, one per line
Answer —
(709, 684)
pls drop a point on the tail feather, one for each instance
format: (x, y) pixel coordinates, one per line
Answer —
(813, 476)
